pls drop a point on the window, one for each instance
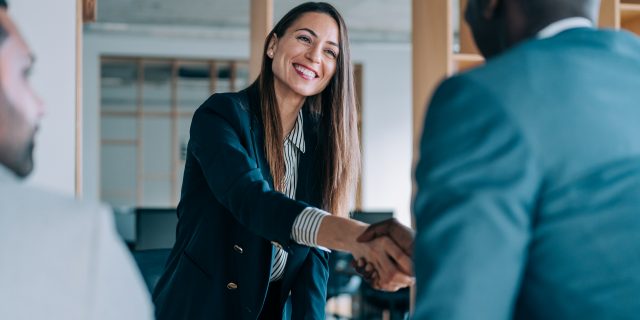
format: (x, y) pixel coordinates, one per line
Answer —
(146, 110)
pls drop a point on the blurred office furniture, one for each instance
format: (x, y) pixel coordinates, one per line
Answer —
(151, 264)
(384, 305)
(155, 236)
(155, 228)
(371, 217)
(343, 281)
(150, 234)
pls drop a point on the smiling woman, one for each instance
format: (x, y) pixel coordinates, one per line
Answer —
(269, 175)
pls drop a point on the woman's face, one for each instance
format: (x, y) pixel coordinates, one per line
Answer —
(305, 57)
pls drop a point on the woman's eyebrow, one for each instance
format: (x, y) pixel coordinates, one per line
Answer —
(313, 33)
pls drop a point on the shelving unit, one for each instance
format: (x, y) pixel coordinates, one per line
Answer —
(434, 41)
(630, 15)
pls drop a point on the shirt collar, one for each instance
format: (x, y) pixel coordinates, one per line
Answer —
(296, 136)
(564, 25)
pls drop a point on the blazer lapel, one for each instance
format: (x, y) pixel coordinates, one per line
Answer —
(307, 177)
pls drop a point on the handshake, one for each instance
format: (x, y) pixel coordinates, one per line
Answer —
(385, 258)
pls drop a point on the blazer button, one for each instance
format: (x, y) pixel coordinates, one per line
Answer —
(238, 249)
(232, 286)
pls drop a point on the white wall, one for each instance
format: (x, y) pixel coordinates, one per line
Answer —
(386, 126)
(386, 112)
(50, 29)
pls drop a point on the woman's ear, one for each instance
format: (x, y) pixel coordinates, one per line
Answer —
(273, 44)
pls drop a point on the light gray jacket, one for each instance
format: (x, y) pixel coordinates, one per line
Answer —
(62, 259)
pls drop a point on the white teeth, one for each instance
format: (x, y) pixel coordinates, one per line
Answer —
(305, 71)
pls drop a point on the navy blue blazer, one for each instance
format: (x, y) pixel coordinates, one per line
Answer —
(230, 215)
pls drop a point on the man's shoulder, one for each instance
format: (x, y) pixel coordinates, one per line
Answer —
(27, 203)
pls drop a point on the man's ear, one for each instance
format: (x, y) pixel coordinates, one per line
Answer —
(490, 9)
(273, 44)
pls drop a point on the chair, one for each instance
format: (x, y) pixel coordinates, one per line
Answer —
(396, 304)
(151, 264)
(155, 228)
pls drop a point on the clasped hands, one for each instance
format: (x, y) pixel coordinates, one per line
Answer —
(385, 259)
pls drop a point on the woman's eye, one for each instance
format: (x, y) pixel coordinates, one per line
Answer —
(304, 38)
(331, 53)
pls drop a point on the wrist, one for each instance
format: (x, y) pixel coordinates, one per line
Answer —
(340, 233)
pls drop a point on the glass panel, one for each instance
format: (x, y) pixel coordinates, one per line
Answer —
(118, 174)
(156, 192)
(184, 124)
(118, 85)
(242, 76)
(156, 146)
(194, 85)
(223, 82)
(156, 88)
(118, 127)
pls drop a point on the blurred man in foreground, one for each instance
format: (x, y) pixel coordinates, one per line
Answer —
(59, 259)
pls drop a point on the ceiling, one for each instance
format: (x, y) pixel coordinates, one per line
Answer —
(385, 20)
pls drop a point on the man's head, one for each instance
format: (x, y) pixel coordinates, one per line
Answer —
(499, 24)
(20, 108)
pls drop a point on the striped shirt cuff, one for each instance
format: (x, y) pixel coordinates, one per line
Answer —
(306, 225)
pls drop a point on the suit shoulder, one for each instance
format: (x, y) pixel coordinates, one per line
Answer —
(226, 103)
(57, 206)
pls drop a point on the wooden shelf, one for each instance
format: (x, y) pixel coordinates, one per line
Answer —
(464, 61)
(630, 16)
(629, 12)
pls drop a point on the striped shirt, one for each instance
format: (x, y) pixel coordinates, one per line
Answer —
(306, 224)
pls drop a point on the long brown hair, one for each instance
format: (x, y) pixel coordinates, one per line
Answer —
(335, 106)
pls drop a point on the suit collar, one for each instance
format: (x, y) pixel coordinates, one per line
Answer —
(564, 25)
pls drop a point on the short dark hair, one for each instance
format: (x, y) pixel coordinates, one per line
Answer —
(562, 8)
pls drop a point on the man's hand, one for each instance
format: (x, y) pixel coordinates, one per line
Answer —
(383, 264)
(392, 228)
(400, 236)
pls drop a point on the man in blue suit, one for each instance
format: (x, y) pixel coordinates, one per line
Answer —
(528, 202)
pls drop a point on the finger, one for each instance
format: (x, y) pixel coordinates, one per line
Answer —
(403, 236)
(387, 271)
(399, 257)
(369, 268)
(402, 280)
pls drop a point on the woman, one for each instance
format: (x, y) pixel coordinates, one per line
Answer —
(244, 247)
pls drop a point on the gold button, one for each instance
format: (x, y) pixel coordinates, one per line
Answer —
(232, 286)
(238, 249)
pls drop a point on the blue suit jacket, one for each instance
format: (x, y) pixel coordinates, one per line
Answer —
(229, 215)
(528, 202)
